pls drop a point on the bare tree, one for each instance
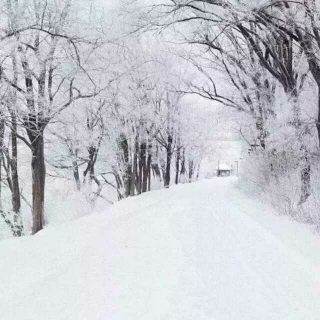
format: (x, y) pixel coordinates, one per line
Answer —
(43, 84)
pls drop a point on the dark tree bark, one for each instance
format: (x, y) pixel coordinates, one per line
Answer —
(178, 158)
(15, 188)
(183, 163)
(198, 170)
(144, 166)
(149, 171)
(16, 226)
(318, 120)
(191, 170)
(35, 126)
(93, 154)
(155, 166)
(156, 170)
(76, 174)
(15, 192)
(119, 184)
(38, 184)
(75, 166)
(127, 179)
(168, 162)
(305, 176)
(134, 178)
(2, 130)
(16, 198)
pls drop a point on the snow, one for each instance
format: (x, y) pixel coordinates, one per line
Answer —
(197, 251)
(224, 166)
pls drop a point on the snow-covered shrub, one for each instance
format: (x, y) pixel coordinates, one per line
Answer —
(310, 211)
(274, 175)
(273, 179)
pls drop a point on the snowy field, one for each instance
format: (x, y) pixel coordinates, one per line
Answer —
(199, 251)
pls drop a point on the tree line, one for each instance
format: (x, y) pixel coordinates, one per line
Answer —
(261, 60)
(98, 110)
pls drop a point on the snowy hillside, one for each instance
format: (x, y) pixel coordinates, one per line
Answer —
(199, 251)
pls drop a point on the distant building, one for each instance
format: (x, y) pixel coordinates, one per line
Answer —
(224, 170)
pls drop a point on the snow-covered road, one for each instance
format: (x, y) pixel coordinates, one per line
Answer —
(194, 252)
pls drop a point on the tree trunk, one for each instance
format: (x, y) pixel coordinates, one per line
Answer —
(318, 120)
(76, 174)
(305, 172)
(168, 163)
(93, 151)
(183, 165)
(16, 226)
(16, 197)
(75, 167)
(177, 166)
(35, 126)
(155, 166)
(2, 129)
(134, 180)
(191, 170)
(305, 177)
(142, 165)
(119, 184)
(198, 170)
(156, 170)
(147, 181)
(127, 179)
(38, 183)
(149, 171)
(143, 159)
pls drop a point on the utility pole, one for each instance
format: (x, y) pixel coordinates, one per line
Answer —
(237, 162)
